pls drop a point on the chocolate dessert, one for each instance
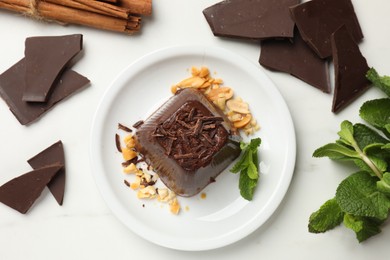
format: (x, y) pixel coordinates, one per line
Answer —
(188, 141)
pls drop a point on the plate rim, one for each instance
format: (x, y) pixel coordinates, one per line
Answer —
(96, 134)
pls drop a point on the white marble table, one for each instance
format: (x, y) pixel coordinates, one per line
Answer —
(84, 227)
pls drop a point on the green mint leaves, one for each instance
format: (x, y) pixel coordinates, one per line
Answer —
(362, 200)
(248, 167)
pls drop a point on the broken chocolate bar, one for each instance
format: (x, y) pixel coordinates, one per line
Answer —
(21, 192)
(350, 69)
(255, 19)
(318, 19)
(188, 142)
(296, 58)
(54, 154)
(12, 85)
(45, 59)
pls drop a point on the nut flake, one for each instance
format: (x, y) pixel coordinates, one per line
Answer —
(143, 176)
(236, 109)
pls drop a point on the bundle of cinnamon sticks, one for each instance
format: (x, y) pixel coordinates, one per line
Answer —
(114, 15)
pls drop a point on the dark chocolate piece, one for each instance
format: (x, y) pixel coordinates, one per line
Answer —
(253, 19)
(188, 142)
(46, 57)
(318, 19)
(12, 87)
(54, 154)
(350, 69)
(21, 192)
(296, 58)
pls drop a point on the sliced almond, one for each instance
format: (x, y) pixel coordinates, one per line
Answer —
(206, 84)
(195, 71)
(240, 124)
(192, 82)
(214, 94)
(204, 72)
(238, 106)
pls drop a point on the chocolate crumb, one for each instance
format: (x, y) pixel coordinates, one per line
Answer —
(124, 128)
(138, 124)
(118, 143)
(127, 183)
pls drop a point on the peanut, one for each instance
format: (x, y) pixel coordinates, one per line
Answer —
(238, 106)
(240, 124)
(214, 94)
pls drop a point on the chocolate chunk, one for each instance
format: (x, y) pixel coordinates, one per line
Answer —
(185, 154)
(254, 19)
(21, 192)
(296, 58)
(318, 19)
(12, 84)
(350, 69)
(54, 154)
(46, 58)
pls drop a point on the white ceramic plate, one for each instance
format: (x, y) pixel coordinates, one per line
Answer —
(223, 217)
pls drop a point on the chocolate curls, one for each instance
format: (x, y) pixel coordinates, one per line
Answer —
(325, 31)
(42, 78)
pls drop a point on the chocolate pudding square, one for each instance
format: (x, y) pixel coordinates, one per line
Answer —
(188, 141)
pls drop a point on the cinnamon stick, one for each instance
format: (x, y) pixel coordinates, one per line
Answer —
(78, 12)
(70, 15)
(143, 7)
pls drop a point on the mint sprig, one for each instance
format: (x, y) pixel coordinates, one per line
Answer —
(248, 167)
(362, 200)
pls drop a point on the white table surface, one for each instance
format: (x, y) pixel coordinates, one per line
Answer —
(84, 227)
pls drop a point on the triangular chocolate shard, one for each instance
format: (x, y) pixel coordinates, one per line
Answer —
(46, 57)
(21, 192)
(318, 19)
(12, 84)
(296, 58)
(256, 19)
(350, 69)
(52, 155)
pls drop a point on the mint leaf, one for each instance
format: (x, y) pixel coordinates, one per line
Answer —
(382, 82)
(253, 172)
(386, 146)
(254, 144)
(377, 113)
(335, 151)
(374, 148)
(358, 195)
(241, 164)
(247, 185)
(327, 217)
(377, 162)
(384, 184)
(387, 127)
(248, 166)
(365, 136)
(363, 227)
(346, 133)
